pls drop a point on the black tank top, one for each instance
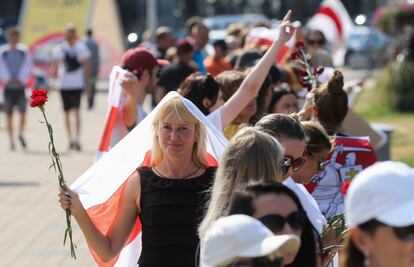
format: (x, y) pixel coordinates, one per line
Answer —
(171, 210)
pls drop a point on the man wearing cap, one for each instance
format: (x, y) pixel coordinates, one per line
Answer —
(71, 67)
(142, 76)
(172, 76)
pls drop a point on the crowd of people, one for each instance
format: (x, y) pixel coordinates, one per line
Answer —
(263, 200)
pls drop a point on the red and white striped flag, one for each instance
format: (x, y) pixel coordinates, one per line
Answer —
(333, 21)
(265, 36)
(114, 106)
(100, 187)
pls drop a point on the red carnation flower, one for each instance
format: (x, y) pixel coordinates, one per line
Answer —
(295, 55)
(344, 189)
(300, 45)
(39, 98)
(303, 72)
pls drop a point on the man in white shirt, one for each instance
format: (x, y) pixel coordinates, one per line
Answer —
(71, 67)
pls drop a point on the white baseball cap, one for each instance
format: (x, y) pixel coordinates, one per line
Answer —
(383, 191)
(242, 236)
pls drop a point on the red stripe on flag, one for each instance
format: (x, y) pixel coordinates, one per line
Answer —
(327, 11)
(109, 126)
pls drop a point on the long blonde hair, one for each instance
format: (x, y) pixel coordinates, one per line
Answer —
(250, 155)
(176, 107)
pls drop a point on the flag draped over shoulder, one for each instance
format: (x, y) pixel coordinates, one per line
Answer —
(350, 156)
(333, 21)
(100, 187)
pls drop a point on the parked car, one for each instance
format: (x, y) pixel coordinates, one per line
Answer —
(219, 23)
(366, 47)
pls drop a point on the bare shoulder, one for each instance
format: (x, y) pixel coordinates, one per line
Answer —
(133, 188)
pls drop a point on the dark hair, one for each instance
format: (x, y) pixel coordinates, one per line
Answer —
(198, 86)
(277, 95)
(247, 59)
(260, 100)
(310, 32)
(220, 43)
(331, 102)
(242, 203)
(353, 257)
(281, 126)
(316, 137)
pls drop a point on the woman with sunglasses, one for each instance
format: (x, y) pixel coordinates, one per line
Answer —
(316, 46)
(278, 207)
(288, 131)
(379, 210)
(250, 155)
(318, 146)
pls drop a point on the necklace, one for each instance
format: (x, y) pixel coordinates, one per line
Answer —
(185, 177)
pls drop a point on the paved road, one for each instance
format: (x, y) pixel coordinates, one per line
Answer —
(31, 221)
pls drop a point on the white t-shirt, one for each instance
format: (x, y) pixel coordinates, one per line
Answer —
(70, 71)
(215, 118)
(309, 204)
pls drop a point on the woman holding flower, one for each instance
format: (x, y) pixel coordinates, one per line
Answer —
(168, 196)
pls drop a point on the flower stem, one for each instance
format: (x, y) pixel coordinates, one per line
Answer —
(58, 167)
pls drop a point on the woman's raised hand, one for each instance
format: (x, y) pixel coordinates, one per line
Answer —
(286, 28)
(68, 199)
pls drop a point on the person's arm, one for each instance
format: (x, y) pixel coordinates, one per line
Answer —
(106, 246)
(254, 80)
(131, 90)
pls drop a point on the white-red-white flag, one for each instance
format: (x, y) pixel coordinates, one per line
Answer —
(333, 21)
(100, 187)
(114, 106)
(264, 36)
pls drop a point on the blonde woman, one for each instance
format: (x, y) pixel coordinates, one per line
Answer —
(250, 155)
(168, 196)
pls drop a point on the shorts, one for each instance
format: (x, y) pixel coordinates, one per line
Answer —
(14, 97)
(71, 99)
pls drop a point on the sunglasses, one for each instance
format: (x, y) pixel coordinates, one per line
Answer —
(288, 162)
(276, 222)
(315, 42)
(258, 262)
(404, 233)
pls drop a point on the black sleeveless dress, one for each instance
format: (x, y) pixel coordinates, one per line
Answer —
(171, 210)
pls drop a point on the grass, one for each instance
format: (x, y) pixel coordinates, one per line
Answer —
(374, 104)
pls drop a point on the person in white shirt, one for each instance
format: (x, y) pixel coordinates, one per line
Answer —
(15, 68)
(71, 67)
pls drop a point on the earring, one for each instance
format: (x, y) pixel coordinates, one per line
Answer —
(366, 259)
